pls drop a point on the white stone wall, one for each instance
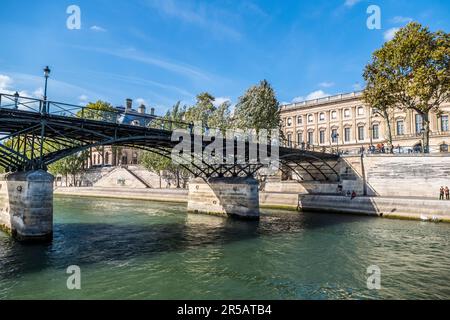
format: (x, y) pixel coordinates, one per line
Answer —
(399, 176)
(225, 196)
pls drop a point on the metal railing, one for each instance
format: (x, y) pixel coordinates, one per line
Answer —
(117, 116)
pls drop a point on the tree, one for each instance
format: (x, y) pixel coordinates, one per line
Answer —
(71, 165)
(378, 96)
(102, 111)
(413, 70)
(99, 110)
(258, 108)
(160, 164)
(155, 163)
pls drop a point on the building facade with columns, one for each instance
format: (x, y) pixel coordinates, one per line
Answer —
(345, 123)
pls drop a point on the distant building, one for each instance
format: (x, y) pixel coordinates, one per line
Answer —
(121, 156)
(343, 122)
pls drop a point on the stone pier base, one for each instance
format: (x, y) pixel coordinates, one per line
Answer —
(26, 205)
(235, 197)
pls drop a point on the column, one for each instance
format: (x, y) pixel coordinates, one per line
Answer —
(228, 196)
(26, 205)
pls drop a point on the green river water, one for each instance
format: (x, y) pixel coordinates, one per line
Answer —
(148, 250)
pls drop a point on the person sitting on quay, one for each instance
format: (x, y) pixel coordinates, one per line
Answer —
(441, 193)
(447, 193)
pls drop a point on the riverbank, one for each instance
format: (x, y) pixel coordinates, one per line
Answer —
(423, 209)
(270, 200)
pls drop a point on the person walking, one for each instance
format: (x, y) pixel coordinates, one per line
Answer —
(447, 193)
(441, 193)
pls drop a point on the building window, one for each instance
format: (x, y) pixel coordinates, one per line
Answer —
(444, 123)
(376, 131)
(289, 122)
(333, 115)
(419, 123)
(347, 113)
(334, 136)
(289, 140)
(107, 158)
(299, 120)
(322, 136)
(400, 128)
(361, 133)
(360, 111)
(299, 137)
(310, 118)
(322, 116)
(347, 135)
(311, 137)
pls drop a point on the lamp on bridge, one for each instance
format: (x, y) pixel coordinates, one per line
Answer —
(16, 99)
(46, 75)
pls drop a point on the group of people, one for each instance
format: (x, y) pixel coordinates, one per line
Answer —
(444, 193)
(379, 148)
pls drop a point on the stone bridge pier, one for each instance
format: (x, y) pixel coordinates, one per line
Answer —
(228, 196)
(26, 205)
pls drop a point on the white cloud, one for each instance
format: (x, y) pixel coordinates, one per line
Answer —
(298, 99)
(351, 3)
(98, 29)
(201, 14)
(326, 84)
(400, 19)
(5, 86)
(5, 81)
(134, 55)
(390, 34)
(220, 100)
(312, 96)
(38, 93)
(317, 95)
(83, 98)
(141, 101)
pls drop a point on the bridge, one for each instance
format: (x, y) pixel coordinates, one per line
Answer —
(35, 133)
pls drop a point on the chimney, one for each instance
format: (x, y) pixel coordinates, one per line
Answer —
(129, 104)
(141, 109)
(152, 111)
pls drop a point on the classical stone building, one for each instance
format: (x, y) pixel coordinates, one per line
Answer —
(120, 156)
(343, 122)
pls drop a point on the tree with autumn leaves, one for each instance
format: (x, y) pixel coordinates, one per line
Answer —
(412, 71)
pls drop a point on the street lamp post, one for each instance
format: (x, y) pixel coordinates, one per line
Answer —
(16, 99)
(46, 75)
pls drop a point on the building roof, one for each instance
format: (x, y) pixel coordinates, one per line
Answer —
(325, 100)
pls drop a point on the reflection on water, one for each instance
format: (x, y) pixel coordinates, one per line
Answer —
(145, 250)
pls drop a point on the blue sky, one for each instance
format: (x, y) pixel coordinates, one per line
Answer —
(162, 51)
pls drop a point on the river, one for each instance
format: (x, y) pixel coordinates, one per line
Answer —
(148, 250)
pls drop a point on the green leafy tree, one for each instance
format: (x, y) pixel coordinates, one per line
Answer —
(155, 163)
(379, 97)
(160, 164)
(71, 165)
(413, 71)
(258, 108)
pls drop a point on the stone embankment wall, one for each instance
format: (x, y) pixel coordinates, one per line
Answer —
(403, 208)
(397, 175)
